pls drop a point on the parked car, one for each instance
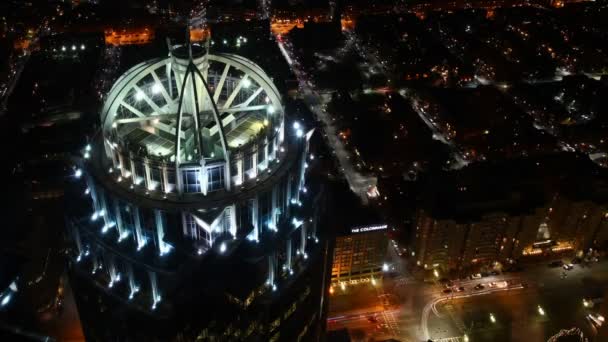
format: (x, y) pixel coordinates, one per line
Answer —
(479, 287)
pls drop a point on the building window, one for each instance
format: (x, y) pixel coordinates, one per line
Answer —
(248, 162)
(191, 180)
(215, 178)
(156, 174)
(261, 157)
(171, 177)
(234, 169)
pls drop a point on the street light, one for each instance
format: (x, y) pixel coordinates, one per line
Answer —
(541, 311)
(436, 274)
(492, 318)
(465, 338)
(385, 267)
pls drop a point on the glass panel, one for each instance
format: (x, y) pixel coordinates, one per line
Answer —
(215, 180)
(156, 174)
(261, 157)
(171, 176)
(191, 180)
(248, 163)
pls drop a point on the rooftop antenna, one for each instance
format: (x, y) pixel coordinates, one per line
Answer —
(188, 42)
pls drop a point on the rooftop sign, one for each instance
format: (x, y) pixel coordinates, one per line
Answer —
(368, 228)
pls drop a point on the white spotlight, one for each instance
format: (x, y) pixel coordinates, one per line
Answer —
(156, 88)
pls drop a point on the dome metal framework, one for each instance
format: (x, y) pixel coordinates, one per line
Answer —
(193, 109)
(193, 156)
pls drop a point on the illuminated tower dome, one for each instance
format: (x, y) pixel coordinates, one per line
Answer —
(190, 217)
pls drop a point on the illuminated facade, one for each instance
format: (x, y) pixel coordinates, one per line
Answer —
(190, 215)
(359, 256)
(470, 221)
(562, 225)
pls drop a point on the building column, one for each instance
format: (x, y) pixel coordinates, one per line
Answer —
(254, 217)
(139, 238)
(273, 207)
(104, 212)
(134, 288)
(148, 176)
(266, 153)
(119, 223)
(121, 165)
(239, 171)
(227, 175)
(254, 162)
(288, 254)
(114, 276)
(156, 297)
(271, 269)
(288, 194)
(163, 247)
(203, 179)
(179, 182)
(282, 131)
(303, 237)
(92, 192)
(165, 179)
(233, 226)
(132, 166)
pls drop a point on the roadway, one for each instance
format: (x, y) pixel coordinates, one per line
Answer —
(420, 311)
(364, 186)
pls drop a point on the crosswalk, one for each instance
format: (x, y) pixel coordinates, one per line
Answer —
(391, 321)
(450, 339)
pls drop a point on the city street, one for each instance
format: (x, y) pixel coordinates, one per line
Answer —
(423, 311)
(362, 185)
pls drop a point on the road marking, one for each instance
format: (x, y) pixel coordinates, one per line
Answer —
(429, 306)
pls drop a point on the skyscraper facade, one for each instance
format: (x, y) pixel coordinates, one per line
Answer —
(190, 212)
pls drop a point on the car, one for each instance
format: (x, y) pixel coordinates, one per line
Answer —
(447, 291)
(568, 267)
(590, 302)
(494, 273)
(479, 287)
(372, 319)
(475, 276)
(460, 289)
(556, 263)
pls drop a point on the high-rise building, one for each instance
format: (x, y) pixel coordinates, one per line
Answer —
(469, 220)
(190, 212)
